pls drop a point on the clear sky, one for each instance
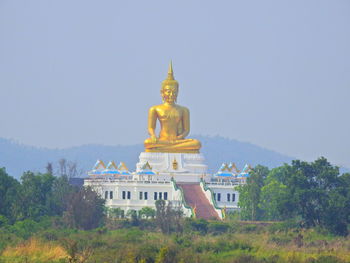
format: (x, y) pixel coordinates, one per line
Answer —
(273, 73)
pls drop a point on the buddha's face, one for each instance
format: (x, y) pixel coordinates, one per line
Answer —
(169, 93)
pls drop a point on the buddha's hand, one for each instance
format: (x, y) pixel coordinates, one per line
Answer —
(154, 139)
(180, 137)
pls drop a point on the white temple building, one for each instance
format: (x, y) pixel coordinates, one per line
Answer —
(181, 178)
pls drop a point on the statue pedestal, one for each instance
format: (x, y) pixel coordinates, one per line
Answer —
(183, 167)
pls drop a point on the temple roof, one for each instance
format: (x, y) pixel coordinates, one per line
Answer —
(146, 169)
(111, 165)
(99, 165)
(230, 170)
(122, 167)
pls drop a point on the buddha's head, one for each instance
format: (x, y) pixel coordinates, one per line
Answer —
(170, 87)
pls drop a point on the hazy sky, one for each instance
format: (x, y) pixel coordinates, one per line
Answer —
(273, 73)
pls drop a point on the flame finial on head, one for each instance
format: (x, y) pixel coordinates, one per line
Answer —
(170, 80)
(170, 71)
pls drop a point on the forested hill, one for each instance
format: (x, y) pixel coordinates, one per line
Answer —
(18, 158)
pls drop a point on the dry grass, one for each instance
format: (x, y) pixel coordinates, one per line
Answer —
(34, 250)
(338, 247)
(128, 245)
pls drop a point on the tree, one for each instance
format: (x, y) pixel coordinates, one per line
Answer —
(116, 212)
(62, 167)
(147, 212)
(314, 192)
(9, 190)
(168, 217)
(132, 214)
(162, 217)
(58, 200)
(68, 168)
(35, 192)
(337, 212)
(282, 201)
(309, 186)
(85, 209)
(273, 197)
(49, 168)
(249, 194)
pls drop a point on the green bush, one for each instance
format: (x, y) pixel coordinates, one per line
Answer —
(25, 228)
(197, 225)
(249, 228)
(281, 239)
(3, 221)
(284, 226)
(184, 241)
(216, 227)
(328, 259)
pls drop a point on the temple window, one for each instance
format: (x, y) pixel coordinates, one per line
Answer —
(165, 195)
(141, 195)
(160, 195)
(146, 195)
(129, 195)
(219, 197)
(123, 195)
(111, 195)
(155, 195)
(106, 194)
(233, 197)
(228, 197)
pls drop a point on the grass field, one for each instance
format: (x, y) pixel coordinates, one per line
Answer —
(200, 241)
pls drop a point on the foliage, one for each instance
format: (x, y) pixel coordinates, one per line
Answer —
(85, 209)
(168, 217)
(132, 244)
(61, 191)
(250, 193)
(273, 197)
(115, 213)
(9, 193)
(35, 191)
(75, 252)
(312, 193)
(309, 202)
(198, 225)
(134, 218)
(34, 251)
(218, 228)
(147, 212)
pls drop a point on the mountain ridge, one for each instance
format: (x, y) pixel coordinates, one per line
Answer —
(18, 158)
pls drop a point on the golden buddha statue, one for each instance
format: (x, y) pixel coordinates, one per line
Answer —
(174, 122)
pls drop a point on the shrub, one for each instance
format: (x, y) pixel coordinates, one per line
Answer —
(249, 228)
(246, 259)
(198, 225)
(281, 239)
(284, 226)
(217, 228)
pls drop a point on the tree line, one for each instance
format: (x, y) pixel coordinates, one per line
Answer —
(39, 195)
(306, 194)
(303, 194)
